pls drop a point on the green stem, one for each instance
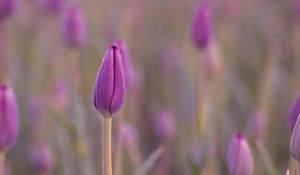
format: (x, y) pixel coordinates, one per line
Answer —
(106, 146)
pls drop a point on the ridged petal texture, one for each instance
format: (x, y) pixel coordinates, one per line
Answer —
(9, 118)
(109, 86)
(295, 141)
(294, 111)
(239, 156)
(201, 29)
(74, 31)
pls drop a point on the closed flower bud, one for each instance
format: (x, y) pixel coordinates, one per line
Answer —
(59, 94)
(109, 85)
(74, 31)
(239, 156)
(256, 125)
(41, 158)
(126, 61)
(294, 111)
(201, 29)
(7, 7)
(9, 118)
(295, 141)
(165, 125)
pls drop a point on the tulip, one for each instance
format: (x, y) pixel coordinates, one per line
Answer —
(239, 156)
(7, 7)
(201, 29)
(74, 29)
(9, 122)
(294, 111)
(9, 118)
(257, 124)
(41, 158)
(165, 125)
(295, 141)
(109, 86)
(108, 97)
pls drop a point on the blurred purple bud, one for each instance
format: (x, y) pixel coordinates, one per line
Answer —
(41, 158)
(53, 6)
(74, 29)
(201, 29)
(294, 111)
(239, 156)
(295, 141)
(129, 134)
(256, 126)
(7, 8)
(109, 88)
(165, 125)
(59, 94)
(36, 107)
(9, 118)
(126, 61)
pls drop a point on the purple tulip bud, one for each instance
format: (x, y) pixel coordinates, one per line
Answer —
(109, 88)
(9, 118)
(53, 6)
(295, 141)
(7, 7)
(294, 111)
(74, 31)
(165, 125)
(239, 156)
(256, 125)
(59, 94)
(201, 29)
(127, 64)
(41, 158)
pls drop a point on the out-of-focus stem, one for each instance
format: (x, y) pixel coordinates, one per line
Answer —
(73, 72)
(2, 161)
(106, 146)
(200, 97)
(265, 158)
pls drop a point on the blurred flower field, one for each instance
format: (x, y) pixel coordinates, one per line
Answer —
(191, 87)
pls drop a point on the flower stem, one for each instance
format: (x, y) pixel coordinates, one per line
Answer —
(106, 146)
(118, 154)
(2, 160)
